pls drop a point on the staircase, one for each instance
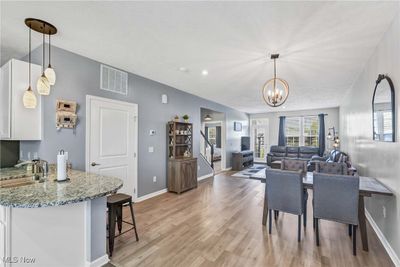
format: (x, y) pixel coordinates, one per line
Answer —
(207, 150)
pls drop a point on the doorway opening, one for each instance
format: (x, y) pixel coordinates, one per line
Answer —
(259, 139)
(213, 139)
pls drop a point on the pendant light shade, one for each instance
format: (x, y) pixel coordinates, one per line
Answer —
(43, 85)
(276, 90)
(29, 99)
(50, 75)
(207, 117)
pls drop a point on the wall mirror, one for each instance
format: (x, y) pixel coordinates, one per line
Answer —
(383, 110)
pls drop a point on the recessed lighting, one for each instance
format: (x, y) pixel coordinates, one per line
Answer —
(204, 72)
(283, 107)
(183, 69)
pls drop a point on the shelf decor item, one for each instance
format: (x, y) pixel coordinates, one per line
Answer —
(185, 118)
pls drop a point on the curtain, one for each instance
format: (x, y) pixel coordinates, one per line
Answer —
(281, 136)
(321, 135)
(218, 143)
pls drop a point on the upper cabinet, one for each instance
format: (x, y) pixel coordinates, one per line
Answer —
(16, 121)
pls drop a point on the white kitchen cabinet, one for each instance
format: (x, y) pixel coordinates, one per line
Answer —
(16, 121)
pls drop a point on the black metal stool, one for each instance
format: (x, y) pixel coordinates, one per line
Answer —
(114, 205)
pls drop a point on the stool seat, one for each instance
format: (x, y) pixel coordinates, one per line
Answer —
(118, 198)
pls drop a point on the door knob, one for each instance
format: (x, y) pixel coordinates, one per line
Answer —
(94, 164)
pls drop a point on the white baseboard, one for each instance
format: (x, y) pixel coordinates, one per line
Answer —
(205, 176)
(227, 169)
(382, 238)
(103, 260)
(154, 194)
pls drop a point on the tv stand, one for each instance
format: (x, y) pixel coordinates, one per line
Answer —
(242, 160)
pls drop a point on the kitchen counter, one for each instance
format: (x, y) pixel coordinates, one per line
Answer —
(82, 186)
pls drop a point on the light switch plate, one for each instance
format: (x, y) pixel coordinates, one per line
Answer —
(151, 149)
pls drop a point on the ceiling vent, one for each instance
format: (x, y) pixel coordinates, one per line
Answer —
(113, 80)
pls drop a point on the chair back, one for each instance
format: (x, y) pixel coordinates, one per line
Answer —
(331, 168)
(336, 197)
(284, 191)
(294, 165)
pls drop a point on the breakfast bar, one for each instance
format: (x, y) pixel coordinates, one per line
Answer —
(50, 223)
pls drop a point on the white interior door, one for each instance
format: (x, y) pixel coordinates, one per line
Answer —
(111, 135)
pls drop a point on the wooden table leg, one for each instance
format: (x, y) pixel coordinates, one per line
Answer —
(265, 210)
(362, 222)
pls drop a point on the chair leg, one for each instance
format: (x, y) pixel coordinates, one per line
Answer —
(111, 229)
(350, 226)
(276, 214)
(317, 231)
(119, 218)
(133, 220)
(305, 208)
(270, 221)
(299, 229)
(354, 240)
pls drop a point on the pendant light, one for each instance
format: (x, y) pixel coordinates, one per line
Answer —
(49, 72)
(208, 118)
(29, 97)
(43, 85)
(276, 90)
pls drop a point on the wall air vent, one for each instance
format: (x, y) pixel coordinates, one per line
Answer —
(113, 80)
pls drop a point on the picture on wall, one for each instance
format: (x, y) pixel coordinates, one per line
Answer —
(237, 126)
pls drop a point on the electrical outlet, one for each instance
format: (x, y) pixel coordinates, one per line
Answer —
(384, 211)
(154, 179)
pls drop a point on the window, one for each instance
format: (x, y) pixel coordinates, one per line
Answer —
(302, 131)
(212, 135)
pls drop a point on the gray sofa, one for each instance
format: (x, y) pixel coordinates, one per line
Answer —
(277, 153)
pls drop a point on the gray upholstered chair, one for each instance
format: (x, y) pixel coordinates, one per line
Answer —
(296, 165)
(285, 193)
(336, 199)
(331, 168)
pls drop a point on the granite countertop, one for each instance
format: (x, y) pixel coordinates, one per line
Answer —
(82, 186)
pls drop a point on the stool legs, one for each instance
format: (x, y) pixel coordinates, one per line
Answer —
(133, 220)
(111, 229)
(119, 218)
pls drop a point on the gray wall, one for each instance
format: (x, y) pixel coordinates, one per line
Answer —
(273, 117)
(376, 159)
(78, 76)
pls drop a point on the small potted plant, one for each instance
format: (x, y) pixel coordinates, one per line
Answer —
(185, 118)
(176, 118)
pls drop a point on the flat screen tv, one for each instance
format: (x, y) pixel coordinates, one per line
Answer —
(245, 143)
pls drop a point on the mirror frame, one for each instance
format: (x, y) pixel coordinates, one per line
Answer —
(380, 78)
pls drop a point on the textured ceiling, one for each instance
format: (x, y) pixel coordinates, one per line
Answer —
(323, 45)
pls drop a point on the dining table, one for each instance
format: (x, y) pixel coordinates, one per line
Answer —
(368, 186)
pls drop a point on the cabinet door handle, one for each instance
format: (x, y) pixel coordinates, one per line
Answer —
(94, 164)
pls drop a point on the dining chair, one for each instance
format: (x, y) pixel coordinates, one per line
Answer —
(331, 167)
(296, 165)
(336, 199)
(285, 193)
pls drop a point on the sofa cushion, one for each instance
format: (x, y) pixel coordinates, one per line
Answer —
(278, 151)
(308, 151)
(292, 152)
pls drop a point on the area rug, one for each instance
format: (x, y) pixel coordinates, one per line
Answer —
(246, 173)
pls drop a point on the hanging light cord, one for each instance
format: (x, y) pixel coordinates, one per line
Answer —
(30, 33)
(49, 51)
(43, 48)
(274, 76)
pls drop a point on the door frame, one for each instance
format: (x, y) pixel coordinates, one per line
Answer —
(89, 99)
(252, 138)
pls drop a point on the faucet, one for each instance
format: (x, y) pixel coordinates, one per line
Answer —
(39, 166)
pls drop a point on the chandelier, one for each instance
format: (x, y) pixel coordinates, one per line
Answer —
(276, 90)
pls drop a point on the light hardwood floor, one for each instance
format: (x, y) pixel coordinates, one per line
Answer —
(219, 224)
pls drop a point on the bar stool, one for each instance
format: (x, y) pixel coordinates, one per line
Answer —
(115, 203)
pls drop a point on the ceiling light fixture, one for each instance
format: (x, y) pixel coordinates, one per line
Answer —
(204, 72)
(276, 90)
(207, 117)
(29, 97)
(49, 72)
(183, 69)
(48, 76)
